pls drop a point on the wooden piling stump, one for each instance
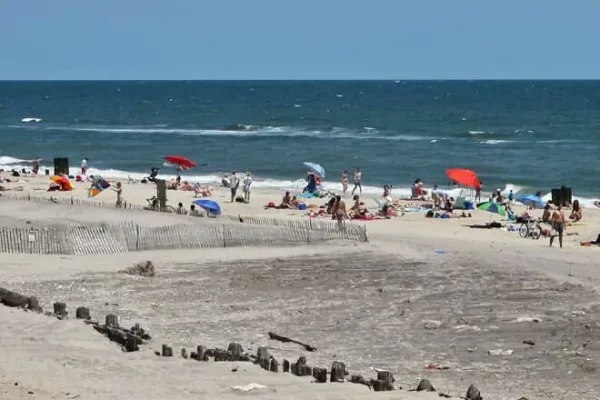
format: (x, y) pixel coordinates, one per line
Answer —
(274, 365)
(338, 371)
(425, 385)
(473, 393)
(236, 351)
(184, 353)
(320, 374)
(305, 370)
(263, 358)
(200, 354)
(34, 305)
(82, 313)
(286, 366)
(131, 343)
(60, 310)
(384, 382)
(167, 351)
(112, 321)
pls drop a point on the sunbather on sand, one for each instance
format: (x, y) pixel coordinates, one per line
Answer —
(202, 191)
(173, 185)
(286, 202)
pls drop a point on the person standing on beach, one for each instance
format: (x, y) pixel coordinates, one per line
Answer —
(357, 181)
(234, 182)
(119, 190)
(344, 182)
(558, 224)
(84, 167)
(478, 192)
(247, 187)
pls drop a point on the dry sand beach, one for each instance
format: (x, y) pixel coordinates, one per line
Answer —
(420, 292)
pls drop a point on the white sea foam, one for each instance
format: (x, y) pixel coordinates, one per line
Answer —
(478, 132)
(31, 119)
(247, 131)
(496, 141)
(7, 160)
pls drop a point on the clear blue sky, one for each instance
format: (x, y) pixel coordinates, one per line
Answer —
(302, 39)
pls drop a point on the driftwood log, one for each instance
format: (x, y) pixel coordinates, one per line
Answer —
(361, 380)
(13, 299)
(274, 336)
(129, 339)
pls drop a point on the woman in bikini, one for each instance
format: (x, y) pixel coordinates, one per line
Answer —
(357, 181)
(345, 182)
(339, 210)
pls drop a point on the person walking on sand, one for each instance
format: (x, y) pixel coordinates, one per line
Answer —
(558, 224)
(339, 210)
(357, 181)
(234, 182)
(35, 168)
(344, 182)
(247, 187)
(84, 167)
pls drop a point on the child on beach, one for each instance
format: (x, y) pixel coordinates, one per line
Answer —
(119, 190)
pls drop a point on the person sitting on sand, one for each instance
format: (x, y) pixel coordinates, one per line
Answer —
(547, 213)
(180, 210)
(286, 201)
(186, 187)
(576, 212)
(330, 204)
(195, 212)
(202, 191)
(173, 185)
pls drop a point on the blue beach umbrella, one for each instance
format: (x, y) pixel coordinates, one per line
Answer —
(210, 206)
(316, 168)
(532, 201)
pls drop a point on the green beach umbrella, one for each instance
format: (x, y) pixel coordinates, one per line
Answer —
(494, 208)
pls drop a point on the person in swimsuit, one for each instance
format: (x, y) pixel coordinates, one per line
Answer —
(357, 181)
(36, 165)
(339, 210)
(576, 213)
(119, 190)
(345, 182)
(478, 192)
(558, 224)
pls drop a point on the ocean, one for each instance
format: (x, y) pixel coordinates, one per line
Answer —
(527, 136)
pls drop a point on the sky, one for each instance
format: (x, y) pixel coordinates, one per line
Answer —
(307, 39)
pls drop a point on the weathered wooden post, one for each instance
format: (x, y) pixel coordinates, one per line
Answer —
(201, 354)
(425, 385)
(82, 313)
(338, 371)
(60, 310)
(320, 374)
(384, 381)
(167, 351)
(131, 343)
(236, 351)
(286, 366)
(274, 365)
(33, 304)
(184, 353)
(112, 321)
(263, 358)
(473, 393)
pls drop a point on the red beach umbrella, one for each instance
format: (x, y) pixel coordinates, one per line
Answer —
(180, 160)
(464, 177)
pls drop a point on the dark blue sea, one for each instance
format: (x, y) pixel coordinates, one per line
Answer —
(526, 135)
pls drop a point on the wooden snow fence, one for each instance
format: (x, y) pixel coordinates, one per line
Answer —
(225, 231)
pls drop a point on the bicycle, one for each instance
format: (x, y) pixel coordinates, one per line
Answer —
(530, 229)
(154, 205)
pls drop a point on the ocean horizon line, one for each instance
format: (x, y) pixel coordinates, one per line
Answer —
(305, 80)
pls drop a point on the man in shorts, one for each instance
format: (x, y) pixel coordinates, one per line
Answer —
(234, 182)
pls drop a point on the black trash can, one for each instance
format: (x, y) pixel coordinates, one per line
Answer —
(61, 166)
(556, 196)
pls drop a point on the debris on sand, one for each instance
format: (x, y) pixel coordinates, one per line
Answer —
(500, 352)
(248, 388)
(145, 269)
